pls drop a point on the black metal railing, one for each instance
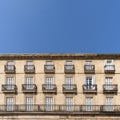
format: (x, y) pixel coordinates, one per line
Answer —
(49, 88)
(69, 68)
(29, 68)
(9, 88)
(109, 68)
(69, 88)
(29, 87)
(75, 109)
(90, 88)
(49, 68)
(89, 68)
(110, 88)
(9, 68)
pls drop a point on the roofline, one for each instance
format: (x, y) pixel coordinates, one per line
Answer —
(57, 56)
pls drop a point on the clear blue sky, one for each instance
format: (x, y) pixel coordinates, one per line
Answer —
(59, 26)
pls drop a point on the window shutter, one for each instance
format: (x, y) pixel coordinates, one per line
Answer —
(93, 79)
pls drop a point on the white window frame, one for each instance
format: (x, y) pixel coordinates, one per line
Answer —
(109, 103)
(89, 85)
(10, 82)
(29, 103)
(69, 103)
(109, 66)
(49, 103)
(10, 103)
(89, 103)
(69, 82)
(49, 81)
(29, 82)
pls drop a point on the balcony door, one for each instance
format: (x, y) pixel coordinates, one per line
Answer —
(9, 104)
(89, 82)
(89, 103)
(109, 103)
(69, 104)
(49, 82)
(108, 82)
(49, 103)
(9, 83)
(29, 103)
(29, 82)
(69, 82)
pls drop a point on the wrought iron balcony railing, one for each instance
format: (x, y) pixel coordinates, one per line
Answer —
(49, 88)
(90, 88)
(49, 68)
(29, 88)
(29, 68)
(110, 69)
(69, 88)
(61, 109)
(110, 88)
(9, 69)
(9, 88)
(89, 69)
(70, 69)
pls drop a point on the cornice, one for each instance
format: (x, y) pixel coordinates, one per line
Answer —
(58, 56)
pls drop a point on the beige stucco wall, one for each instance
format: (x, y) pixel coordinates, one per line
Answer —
(59, 79)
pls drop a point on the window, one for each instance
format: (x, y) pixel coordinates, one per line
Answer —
(10, 65)
(109, 64)
(88, 63)
(109, 103)
(9, 83)
(29, 103)
(69, 63)
(69, 82)
(49, 65)
(49, 83)
(69, 104)
(89, 103)
(9, 103)
(89, 83)
(89, 66)
(108, 82)
(49, 103)
(29, 82)
(30, 65)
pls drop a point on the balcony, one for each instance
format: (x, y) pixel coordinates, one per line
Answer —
(9, 69)
(49, 69)
(30, 69)
(35, 109)
(109, 69)
(49, 88)
(69, 69)
(29, 88)
(9, 88)
(110, 89)
(89, 69)
(69, 88)
(90, 89)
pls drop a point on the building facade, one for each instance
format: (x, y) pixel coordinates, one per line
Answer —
(60, 86)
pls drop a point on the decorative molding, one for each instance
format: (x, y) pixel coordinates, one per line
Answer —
(58, 56)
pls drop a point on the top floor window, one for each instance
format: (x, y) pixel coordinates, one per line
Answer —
(49, 67)
(10, 65)
(109, 65)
